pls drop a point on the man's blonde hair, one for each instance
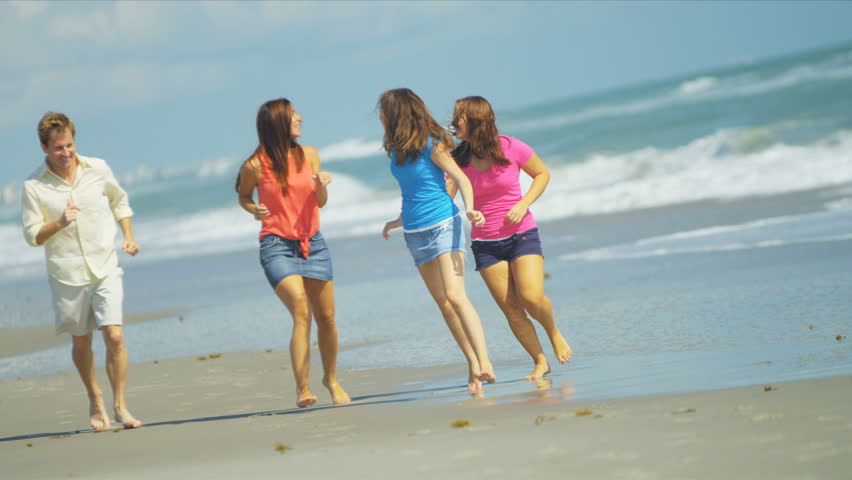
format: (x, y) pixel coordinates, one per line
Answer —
(53, 122)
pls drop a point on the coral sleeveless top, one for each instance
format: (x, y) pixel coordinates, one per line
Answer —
(294, 216)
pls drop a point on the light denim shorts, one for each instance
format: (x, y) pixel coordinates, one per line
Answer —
(425, 245)
(280, 258)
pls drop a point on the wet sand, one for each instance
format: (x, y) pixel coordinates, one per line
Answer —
(16, 341)
(234, 416)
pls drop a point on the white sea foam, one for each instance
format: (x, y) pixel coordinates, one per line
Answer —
(840, 204)
(831, 225)
(351, 148)
(700, 89)
(606, 254)
(17, 259)
(9, 194)
(353, 209)
(229, 164)
(698, 85)
(707, 168)
(225, 165)
(713, 167)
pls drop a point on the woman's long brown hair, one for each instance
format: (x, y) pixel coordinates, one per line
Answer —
(481, 135)
(274, 139)
(408, 125)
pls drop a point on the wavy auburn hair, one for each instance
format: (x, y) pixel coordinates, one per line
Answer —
(481, 135)
(408, 125)
(275, 141)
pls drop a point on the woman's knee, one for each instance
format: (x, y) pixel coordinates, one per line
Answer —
(445, 306)
(530, 298)
(518, 319)
(457, 298)
(325, 317)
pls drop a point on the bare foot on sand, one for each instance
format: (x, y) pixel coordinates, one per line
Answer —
(97, 415)
(473, 383)
(487, 374)
(124, 417)
(338, 395)
(306, 399)
(561, 348)
(539, 371)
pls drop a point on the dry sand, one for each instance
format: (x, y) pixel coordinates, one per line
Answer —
(231, 417)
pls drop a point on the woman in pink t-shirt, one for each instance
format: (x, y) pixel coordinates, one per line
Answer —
(507, 249)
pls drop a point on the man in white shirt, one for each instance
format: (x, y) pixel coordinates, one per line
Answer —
(71, 205)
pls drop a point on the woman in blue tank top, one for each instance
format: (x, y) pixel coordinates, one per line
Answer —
(418, 149)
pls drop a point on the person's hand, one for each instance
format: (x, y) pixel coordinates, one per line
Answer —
(388, 227)
(476, 217)
(260, 211)
(322, 179)
(69, 214)
(515, 214)
(130, 247)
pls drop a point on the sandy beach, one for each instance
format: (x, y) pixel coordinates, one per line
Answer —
(233, 416)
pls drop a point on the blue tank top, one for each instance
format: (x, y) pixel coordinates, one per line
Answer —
(425, 200)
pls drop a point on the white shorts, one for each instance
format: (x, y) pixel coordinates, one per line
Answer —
(82, 308)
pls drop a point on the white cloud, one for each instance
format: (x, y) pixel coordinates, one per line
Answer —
(143, 21)
(27, 8)
(242, 15)
(110, 87)
(136, 22)
(95, 25)
(99, 56)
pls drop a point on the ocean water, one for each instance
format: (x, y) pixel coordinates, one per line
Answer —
(697, 230)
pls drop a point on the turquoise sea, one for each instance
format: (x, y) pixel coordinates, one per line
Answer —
(697, 232)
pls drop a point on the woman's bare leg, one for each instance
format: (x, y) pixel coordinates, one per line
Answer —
(451, 277)
(528, 274)
(431, 275)
(292, 293)
(500, 283)
(321, 296)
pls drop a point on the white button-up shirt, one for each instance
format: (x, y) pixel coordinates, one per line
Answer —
(84, 251)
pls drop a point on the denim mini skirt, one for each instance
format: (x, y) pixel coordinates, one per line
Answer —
(425, 245)
(280, 258)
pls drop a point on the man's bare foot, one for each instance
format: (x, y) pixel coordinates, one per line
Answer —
(338, 395)
(487, 374)
(98, 417)
(539, 371)
(306, 399)
(124, 417)
(560, 348)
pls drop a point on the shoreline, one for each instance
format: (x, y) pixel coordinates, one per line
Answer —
(235, 416)
(20, 340)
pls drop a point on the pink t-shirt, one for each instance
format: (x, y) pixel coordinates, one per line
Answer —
(498, 189)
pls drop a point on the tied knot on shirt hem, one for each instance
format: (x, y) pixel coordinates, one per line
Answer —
(305, 246)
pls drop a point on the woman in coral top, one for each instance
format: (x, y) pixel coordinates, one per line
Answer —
(507, 249)
(291, 189)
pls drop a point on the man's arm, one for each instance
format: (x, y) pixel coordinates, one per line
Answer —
(129, 246)
(36, 231)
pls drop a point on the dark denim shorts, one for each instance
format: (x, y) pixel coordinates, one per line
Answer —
(490, 252)
(280, 258)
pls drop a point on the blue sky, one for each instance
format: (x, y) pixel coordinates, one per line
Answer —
(177, 84)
